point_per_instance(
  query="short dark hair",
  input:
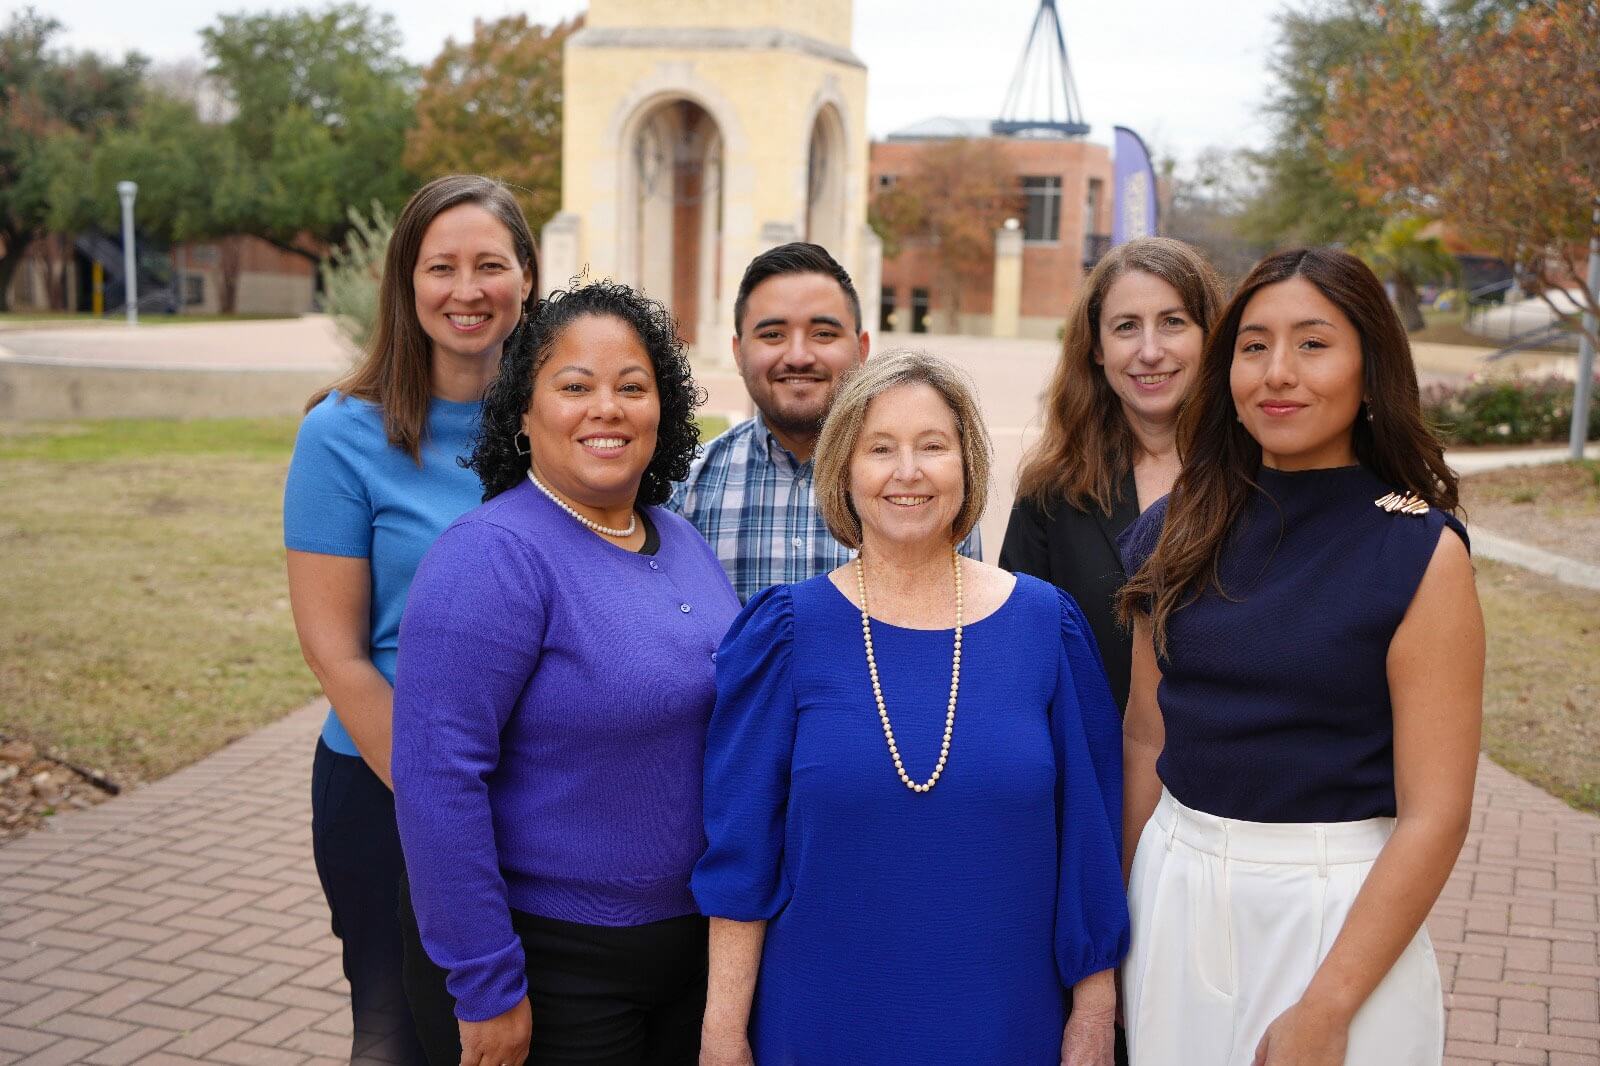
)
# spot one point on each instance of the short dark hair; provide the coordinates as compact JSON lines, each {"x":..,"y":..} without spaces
{"x":797,"y":257}
{"x":495,"y":457}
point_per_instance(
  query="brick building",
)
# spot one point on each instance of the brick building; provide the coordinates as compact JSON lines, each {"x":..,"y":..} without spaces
{"x":1065,"y":223}
{"x":57,"y":273}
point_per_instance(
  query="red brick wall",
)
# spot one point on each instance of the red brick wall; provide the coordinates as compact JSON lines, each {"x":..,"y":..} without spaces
{"x":1050,"y":272}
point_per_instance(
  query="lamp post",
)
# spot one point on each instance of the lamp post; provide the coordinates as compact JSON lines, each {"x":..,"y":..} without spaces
{"x":127,"y":190}
{"x":1581,"y":389}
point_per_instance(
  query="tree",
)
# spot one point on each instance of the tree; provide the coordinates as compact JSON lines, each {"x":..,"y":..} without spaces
{"x":1406,"y":256}
{"x":323,"y":100}
{"x":492,"y":106}
{"x":1208,"y":205}
{"x":1493,"y":125}
{"x":960,"y":193}
{"x":215,"y":196}
{"x":1302,"y":198}
{"x":52,"y":102}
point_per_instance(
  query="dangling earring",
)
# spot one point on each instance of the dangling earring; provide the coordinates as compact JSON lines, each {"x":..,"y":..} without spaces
{"x":1368,"y":405}
{"x":517,"y":440}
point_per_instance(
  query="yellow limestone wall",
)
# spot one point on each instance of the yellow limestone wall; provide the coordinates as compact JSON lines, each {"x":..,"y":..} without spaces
{"x":826,"y":20}
{"x":763,"y":70}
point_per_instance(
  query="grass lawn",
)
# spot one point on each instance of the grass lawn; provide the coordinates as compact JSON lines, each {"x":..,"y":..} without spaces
{"x":141,"y":564}
{"x":1542,"y":692}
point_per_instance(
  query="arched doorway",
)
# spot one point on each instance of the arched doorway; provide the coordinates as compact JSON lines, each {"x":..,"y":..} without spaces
{"x":825,"y":188}
{"x":672,"y":221}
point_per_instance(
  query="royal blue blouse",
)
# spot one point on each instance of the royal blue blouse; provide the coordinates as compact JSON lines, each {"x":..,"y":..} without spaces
{"x":937,"y":927}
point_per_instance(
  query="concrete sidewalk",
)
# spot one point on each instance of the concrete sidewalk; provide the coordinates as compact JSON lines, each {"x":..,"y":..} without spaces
{"x":183,"y":923}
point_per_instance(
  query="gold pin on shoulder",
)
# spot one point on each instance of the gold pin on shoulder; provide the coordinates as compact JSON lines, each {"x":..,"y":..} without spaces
{"x":1402,"y":503}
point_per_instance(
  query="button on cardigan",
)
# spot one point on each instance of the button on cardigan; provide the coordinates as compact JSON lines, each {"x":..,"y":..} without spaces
{"x":550,"y":714}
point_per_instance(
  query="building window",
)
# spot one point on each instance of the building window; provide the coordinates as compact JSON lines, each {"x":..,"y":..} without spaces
{"x":1043,"y":199}
{"x":886,"y":181}
{"x":1091,"y":215}
{"x":886,"y":322}
{"x":919,"y":310}
{"x":194,"y":290}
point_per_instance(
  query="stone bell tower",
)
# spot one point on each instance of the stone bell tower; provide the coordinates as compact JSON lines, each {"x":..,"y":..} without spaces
{"x":696,"y":134}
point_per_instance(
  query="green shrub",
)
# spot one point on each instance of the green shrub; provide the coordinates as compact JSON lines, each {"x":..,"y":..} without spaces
{"x":1516,"y":410}
{"x":351,"y":273}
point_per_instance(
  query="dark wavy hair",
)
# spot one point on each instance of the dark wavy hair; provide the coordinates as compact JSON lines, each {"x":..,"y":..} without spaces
{"x":494,"y":455}
{"x":1221,"y":459}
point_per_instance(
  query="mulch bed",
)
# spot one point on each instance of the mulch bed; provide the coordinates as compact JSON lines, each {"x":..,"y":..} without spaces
{"x":33,"y":786}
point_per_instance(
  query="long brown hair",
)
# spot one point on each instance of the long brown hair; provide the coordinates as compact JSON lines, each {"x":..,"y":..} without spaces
{"x":1221,"y":459}
{"x":396,"y":373}
{"x":1088,"y":446}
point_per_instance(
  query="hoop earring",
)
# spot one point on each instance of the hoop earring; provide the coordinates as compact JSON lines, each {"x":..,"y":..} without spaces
{"x":517,"y":439}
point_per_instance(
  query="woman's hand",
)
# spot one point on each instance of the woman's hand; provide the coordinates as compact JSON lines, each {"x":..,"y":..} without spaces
{"x":725,"y":1049}
{"x":500,"y":1041}
{"x":1089,"y":1039}
{"x":1304,"y":1036}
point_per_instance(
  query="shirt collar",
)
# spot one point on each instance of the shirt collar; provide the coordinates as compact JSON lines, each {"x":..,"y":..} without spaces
{"x":776,"y":453}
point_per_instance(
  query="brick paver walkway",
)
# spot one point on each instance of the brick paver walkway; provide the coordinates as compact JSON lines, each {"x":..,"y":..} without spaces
{"x":183,"y":923}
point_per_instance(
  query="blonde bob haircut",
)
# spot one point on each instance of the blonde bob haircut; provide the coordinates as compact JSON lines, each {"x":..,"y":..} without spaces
{"x":842,"y":432}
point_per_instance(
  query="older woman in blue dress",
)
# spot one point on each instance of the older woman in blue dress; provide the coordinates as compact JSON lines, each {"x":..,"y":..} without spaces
{"x":912,"y":777}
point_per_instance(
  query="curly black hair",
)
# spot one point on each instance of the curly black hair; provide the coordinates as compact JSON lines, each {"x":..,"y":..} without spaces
{"x":494,"y":454}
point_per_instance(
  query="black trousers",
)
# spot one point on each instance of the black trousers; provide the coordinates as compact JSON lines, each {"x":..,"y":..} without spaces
{"x":357,"y":851}
{"x":601,"y":996}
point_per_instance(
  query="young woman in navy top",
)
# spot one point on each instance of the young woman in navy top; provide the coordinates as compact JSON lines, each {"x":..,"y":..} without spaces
{"x":1302,"y":729}
{"x":373,"y":480}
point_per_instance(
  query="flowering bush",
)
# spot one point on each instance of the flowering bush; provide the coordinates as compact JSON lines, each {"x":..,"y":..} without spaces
{"x":1515,"y":410}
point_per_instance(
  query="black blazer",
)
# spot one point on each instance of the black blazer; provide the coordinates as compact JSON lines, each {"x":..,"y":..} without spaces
{"x":1076,"y":551}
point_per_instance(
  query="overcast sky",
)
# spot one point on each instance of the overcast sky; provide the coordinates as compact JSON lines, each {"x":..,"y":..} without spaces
{"x":1180,"y":72}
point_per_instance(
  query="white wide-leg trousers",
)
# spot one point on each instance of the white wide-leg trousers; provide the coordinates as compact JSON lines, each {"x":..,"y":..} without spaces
{"x":1230,"y":921}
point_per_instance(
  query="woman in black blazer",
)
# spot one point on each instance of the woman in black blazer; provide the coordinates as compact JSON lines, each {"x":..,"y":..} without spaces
{"x":1109,"y":448}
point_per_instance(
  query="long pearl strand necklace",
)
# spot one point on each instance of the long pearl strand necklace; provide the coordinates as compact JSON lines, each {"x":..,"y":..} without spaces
{"x":633,"y":519}
{"x":877,"y":689}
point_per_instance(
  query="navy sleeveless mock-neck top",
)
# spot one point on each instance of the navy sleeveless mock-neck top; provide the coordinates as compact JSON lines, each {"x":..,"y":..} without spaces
{"x":1275,"y":697}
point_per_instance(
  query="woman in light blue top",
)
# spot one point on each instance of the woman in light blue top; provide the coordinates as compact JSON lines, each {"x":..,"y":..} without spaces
{"x":373,"y":481}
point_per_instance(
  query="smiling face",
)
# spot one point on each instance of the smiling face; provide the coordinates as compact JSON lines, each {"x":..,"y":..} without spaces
{"x":594,"y":414}
{"x":469,"y":286}
{"x":1149,"y":347}
{"x":907,"y":482}
{"x":797,"y":338}
{"x":1297,"y":377}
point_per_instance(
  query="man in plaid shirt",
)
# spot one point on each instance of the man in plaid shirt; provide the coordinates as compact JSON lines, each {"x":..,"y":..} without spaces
{"x":797,"y":331}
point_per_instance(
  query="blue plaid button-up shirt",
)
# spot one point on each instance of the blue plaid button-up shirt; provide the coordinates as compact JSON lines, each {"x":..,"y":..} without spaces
{"x":756,"y":505}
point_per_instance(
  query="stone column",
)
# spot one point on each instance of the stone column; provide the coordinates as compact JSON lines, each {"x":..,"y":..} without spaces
{"x":869,"y":279}
{"x":559,"y":242}
{"x":1007,"y":313}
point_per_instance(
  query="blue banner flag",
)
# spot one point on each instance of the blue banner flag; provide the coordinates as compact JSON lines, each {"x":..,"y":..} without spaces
{"x":1134,"y":213}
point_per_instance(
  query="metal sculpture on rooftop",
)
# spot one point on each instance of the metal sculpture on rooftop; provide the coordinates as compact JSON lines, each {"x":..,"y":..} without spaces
{"x":1043,"y":100}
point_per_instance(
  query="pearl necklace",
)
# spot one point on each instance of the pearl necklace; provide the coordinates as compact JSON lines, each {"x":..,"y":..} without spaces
{"x":877,"y":689}
{"x":633,"y":519}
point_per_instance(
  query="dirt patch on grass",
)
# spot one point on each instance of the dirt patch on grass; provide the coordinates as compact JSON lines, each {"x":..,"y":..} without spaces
{"x":1542,"y":691}
{"x":1554,"y":506}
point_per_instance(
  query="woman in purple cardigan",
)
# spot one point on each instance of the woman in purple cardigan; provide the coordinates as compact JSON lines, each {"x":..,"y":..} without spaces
{"x":555,"y":681}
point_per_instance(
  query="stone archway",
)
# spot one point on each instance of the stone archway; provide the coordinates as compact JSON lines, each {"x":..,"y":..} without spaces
{"x":672,"y":220}
{"x":825,"y":180}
